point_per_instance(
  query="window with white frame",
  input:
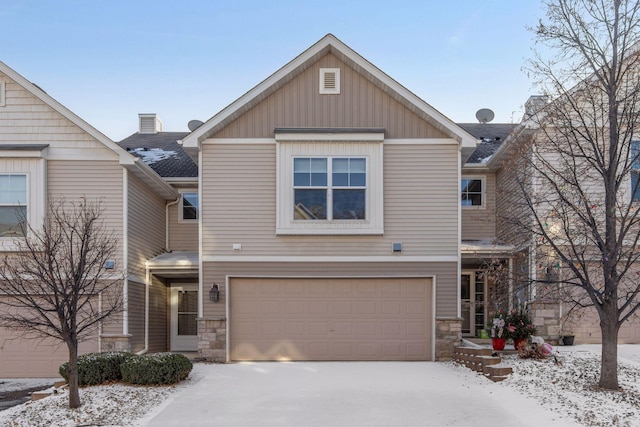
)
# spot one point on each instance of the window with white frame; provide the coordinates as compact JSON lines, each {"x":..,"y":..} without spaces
{"x":13,"y":205}
{"x":472,"y":192}
{"x":329,"y":188}
{"x":330,"y":183}
{"x":189,"y":207}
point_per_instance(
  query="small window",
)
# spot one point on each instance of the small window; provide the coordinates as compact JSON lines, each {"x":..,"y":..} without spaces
{"x":329,"y":188}
{"x":13,"y":205}
{"x":329,"y":81}
{"x":189,"y":207}
{"x":634,"y":152}
{"x":471,"y":192}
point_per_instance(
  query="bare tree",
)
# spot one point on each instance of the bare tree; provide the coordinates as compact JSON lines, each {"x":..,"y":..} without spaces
{"x":577,"y":158}
{"x":56,"y":285}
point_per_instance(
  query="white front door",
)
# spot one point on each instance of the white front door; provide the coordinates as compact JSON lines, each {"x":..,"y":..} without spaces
{"x":184,"y":312}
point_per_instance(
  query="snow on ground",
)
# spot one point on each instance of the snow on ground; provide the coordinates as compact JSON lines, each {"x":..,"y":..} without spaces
{"x":569,"y":388}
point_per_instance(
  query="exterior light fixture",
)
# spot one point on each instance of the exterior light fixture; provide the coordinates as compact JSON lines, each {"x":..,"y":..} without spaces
{"x":214,"y":293}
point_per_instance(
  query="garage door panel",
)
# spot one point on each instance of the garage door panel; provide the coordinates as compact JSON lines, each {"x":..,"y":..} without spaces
{"x":331,"y":319}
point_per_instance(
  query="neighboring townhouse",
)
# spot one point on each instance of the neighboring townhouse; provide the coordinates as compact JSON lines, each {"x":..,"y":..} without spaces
{"x":47,"y":152}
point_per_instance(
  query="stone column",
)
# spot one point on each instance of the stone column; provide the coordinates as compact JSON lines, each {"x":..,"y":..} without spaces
{"x":448,"y":335}
{"x":212,"y":339}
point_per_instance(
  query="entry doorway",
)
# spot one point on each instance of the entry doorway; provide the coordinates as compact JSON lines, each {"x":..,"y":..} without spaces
{"x":184,"y":314}
{"x":473,"y":302}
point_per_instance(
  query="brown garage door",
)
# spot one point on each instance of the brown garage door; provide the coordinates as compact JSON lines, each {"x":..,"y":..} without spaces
{"x":330,"y":319}
{"x":34,"y":358}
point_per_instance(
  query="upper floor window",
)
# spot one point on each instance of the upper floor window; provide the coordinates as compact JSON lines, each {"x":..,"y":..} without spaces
{"x":634,"y":152}
{"x":328,"y":188}
{"x":471,"y":192}
{"x":13,"y":205}
{"x":189,"y":207}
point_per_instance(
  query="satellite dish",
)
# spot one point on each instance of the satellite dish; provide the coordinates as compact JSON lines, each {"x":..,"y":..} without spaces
{"x":194,"y":124}
{"x":485,"y":115}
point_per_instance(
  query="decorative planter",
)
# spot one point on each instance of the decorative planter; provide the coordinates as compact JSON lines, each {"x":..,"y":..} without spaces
{"x":498,"y":343}
{"x":567,"y":339}
{"x":519,"y":342}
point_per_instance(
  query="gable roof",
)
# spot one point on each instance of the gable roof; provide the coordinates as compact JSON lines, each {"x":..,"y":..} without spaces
{"x":329,"y":44}
{"x":132,"y":163}
{"x":491,"y":136}
{"x":162,"y":153}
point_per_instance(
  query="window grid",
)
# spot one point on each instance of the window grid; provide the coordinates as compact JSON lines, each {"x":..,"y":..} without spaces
{"x":329,"y":188}
{"x":471,"y":192}
{"x":13,"y":204}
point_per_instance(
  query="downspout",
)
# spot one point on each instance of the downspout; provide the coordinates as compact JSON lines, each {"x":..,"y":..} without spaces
{"x":166,"y":224}
{"x":125,"y":252}
{"x":146,"y":312}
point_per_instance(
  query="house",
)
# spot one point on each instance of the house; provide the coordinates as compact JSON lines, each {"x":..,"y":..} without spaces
{"x":48,"y":152}
{"x":326,"y":214}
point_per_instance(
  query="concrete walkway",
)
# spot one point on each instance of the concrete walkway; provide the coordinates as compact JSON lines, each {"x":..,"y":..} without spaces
{"x":347,"y":394}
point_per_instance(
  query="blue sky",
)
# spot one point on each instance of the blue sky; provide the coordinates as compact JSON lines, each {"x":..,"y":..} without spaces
{"x":107,"y":61}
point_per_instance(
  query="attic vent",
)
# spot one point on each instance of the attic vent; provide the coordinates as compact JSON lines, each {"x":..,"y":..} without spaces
{"x":149,"y":123}
{"x":330,"y":81}
{"x":3,"y":94}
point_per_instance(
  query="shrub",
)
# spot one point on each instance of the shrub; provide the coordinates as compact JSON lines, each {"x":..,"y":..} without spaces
{"x":97,"y":368}
{"x":158,"y":368}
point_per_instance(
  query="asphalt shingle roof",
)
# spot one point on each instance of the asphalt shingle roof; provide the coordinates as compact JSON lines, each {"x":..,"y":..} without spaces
{"x":490,"y":135}
{"x":162,"y":153}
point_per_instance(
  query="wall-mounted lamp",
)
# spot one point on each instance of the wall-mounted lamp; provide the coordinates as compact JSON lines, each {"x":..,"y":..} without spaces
{"x":214,"y":293}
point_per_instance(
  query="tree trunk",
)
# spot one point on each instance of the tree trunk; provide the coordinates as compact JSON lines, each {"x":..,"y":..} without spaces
{"x":609,"y":364}
{"x":74,"y":393}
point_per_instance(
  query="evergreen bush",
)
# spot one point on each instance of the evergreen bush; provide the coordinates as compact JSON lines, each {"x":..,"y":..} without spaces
{"x":97,"y":368}
{"x":157,"y":368}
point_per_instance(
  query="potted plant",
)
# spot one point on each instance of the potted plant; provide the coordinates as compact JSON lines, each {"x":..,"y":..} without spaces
{"x":519,"y":327}
{"x":498,"y":330}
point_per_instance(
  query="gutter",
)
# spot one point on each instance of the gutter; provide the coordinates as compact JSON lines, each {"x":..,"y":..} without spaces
{"x":146,"y":313}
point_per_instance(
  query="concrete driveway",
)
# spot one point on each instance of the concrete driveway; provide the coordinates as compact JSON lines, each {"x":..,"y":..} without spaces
{"x":347,"y":394}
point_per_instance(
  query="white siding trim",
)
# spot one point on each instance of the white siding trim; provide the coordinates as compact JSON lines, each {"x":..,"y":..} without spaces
{"x":238,"y":141}
{"x":3,"y":94}
{"x":420,"y":141}
{"x":371,"y":137}
{"x":200,"y":272}
{"x":372,"y":225}
{"x":330,"y":258}
{"x":125,"y":251}
{"x":459,"y":267}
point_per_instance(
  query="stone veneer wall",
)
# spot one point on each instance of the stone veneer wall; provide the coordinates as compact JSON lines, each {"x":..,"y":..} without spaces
{"x":212,"y":339}
{"x":115,"y":343}
{"x":546,"y":318}
{"x":448,"y":335}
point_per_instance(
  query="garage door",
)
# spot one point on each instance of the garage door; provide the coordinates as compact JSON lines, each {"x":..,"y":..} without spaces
{"x":330,"y":319}
{"x":34,"y":358}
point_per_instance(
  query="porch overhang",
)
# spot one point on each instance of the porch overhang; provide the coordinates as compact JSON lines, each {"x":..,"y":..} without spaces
{"x":175,"y":264}
{"x":485,"y":249}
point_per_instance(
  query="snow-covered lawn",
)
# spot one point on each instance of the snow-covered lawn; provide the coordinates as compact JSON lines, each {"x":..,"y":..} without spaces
{"x":568,"y":388}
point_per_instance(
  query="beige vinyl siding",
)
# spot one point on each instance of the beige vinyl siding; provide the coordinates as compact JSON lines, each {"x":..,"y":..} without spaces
{"x":158,"y":316}
{"x":94,"y":180}
{"x":239,"y":204}
{"x":183,"y":236}
{"x":446,"y":277}
{"x":359,"y":104}
{"x":146,"y":220}
{"x":480,"y":223}
{"x":26,"y":119}
{"x":136,"y":315}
